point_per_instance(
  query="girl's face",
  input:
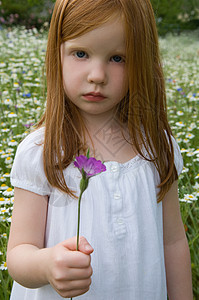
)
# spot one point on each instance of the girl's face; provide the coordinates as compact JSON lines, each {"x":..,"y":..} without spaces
{"x":93,"y":67}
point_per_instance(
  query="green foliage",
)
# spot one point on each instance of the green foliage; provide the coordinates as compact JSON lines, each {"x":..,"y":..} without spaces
{"x":171,"y":15}
{"x":25,"y":12}
{"x":34,"y":2}
{"x":175,"y":15}
{"x":22,"y":7}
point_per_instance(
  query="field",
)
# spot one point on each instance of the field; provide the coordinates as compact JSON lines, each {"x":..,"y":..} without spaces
{"x":22,"y":102}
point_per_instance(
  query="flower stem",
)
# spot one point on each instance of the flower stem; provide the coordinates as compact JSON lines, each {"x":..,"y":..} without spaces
{"x":78,"y":223}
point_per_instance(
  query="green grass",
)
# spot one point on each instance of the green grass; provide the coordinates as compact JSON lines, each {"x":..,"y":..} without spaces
{"x":21,"y":103}
{"x":181,"y":64}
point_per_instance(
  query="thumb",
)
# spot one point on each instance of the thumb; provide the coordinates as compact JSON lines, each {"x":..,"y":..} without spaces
{"x":84,"y":245}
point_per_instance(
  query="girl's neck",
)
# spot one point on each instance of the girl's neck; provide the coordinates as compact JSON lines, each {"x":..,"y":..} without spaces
{"x":94,"y":122}
{"x":108,"y":140}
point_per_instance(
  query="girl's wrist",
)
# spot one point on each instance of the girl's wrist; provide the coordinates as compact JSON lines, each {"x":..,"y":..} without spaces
{"x":44,"y":264}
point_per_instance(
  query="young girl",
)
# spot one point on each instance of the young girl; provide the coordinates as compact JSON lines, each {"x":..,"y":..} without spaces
{"x":105,"y":92}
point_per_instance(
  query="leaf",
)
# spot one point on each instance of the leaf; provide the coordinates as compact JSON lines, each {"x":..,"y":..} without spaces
{"x":87,"y":154}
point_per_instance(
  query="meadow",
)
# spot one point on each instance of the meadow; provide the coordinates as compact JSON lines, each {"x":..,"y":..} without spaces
{"x":22,"y":102}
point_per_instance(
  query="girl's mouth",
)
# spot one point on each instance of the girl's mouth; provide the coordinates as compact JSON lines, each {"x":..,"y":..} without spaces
{"x":95,"y":97}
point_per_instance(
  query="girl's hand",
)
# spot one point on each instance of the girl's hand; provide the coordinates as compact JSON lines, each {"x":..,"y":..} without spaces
{"x":69,"y":271}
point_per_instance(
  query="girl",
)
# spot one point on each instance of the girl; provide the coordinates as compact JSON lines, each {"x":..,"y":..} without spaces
{"x":105,"y":91}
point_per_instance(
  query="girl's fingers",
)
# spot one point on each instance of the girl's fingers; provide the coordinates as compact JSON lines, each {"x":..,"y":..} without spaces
{"x":76,"y":259}
{"x":79,"y":274}
{"x":72,"y":288}
{"x":73,"y":293}
{"x":84,"y":246}
{"x":80,"y":284}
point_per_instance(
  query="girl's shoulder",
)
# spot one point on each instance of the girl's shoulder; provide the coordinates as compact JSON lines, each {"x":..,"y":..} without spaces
{"x":31,"y":147}
{"x":27,"y":170}
{"x":35,"y":138}
{"x":178,"y":160}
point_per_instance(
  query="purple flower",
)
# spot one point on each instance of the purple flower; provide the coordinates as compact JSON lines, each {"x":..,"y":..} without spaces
{"x":90,"y":166}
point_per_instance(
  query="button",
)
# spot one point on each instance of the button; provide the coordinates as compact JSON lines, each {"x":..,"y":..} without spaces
{"x":114,"y":168}
{"x":120,"y":221}
{"x":117,"y":196}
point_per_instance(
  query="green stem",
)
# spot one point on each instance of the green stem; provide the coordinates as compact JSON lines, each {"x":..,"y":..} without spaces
{"x":78,"y":223}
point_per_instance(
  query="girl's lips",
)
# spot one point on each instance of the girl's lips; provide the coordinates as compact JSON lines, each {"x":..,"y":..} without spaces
{"x":94,"y":97}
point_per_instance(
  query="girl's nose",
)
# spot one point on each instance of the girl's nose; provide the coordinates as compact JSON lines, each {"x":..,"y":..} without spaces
{"x":97,"y":74}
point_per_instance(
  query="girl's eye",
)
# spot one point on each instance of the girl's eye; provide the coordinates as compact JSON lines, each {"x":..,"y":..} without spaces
{"x":117,"y":59}
{"x":80,"y":54}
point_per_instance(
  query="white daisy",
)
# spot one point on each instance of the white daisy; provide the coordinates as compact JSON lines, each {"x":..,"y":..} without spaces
{"x":9,"y":192}
{"x":3,"y":266}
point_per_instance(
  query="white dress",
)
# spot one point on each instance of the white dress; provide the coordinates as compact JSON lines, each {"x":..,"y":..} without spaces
{"x":120,"y":218}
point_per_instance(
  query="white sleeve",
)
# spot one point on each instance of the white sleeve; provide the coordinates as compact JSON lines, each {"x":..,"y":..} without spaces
{"x":178,"y":160}
{"x":27,"y":171}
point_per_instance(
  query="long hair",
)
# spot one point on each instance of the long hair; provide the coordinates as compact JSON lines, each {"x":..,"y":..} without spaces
{"x":144,"y":107}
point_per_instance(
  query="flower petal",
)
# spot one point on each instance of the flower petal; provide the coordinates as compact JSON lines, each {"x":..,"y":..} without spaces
{"x":91,"y":166}
{"x":80,"y":161}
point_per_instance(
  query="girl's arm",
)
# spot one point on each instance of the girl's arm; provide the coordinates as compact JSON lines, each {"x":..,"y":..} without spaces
{"x":32,"y":265}
{"x":176,"y":250}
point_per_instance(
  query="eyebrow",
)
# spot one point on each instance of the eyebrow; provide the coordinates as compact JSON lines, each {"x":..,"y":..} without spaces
{"x":75,"y":47}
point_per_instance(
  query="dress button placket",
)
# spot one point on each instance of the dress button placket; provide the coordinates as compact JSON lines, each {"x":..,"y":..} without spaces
{"x":119,"y":226}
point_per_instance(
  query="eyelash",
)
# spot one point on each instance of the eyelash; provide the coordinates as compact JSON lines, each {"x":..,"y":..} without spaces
{"x":82,"y":54}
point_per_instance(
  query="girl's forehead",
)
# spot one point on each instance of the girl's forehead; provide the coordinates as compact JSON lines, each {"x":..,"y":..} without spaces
{"x":111,"y":32}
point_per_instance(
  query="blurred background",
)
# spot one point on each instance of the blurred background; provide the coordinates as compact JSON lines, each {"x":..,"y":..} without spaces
{"x":171,"y":15}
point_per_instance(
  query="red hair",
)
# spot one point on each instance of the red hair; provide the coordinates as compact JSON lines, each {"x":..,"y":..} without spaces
{"x":144,"y":107}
